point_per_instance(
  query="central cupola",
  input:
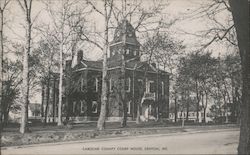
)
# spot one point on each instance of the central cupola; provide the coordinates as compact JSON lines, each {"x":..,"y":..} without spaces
{"x":124,"y":41}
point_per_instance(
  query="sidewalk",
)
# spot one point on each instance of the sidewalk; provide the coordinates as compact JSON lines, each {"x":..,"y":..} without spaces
{"x":81,"y":132}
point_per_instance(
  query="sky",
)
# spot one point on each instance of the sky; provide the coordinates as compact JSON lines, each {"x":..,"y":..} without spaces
{"x":181,"y":9}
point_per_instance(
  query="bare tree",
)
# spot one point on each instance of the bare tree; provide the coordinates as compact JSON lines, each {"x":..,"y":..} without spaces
{"x":62,"y":30}
{"x":3,"y":5}
{"x":26,"y":6}
{"x":104,"y":99}
{"x":240,"y":14}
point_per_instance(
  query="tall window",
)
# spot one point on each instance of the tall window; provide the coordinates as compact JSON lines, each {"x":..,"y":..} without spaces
{"x":128,"y":107}
{"x":82,"y":84}
{"x":74,"y":107}
{"x":96,"y":84}
{"x":150,"y":88}
{"x":140,"y":83}
{"x":127,"y":51}
{"x":127,"y":84}
{"x":135,"y":52}
{"x":162,"y":88}
{"x":94,"y":107}
{"x":83,"y":106}
{"x":111,"y":85}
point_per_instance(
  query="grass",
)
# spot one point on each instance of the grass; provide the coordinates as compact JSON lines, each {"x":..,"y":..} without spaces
{"x":52,"y":133}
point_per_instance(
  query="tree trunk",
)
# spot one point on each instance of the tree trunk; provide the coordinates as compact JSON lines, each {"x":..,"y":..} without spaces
{"x":59,"y":121}
{"x":47,"y":101}
{"x":1,"y":66}
{"x":198,"y":102}
{"x":54,"y":99}
{"x":225,"y":108}
{"x":240,"y":14}
{"x":6,"y":117}
{"x":25,"y":76}
{"x":175,"y":108}
{"x":157,"y":94}
{"x":42,"y":109}
{"x":203,"y":105}
{"x":123,"y":93}
{"x":104,"y":99}
{"x":187,"y":110}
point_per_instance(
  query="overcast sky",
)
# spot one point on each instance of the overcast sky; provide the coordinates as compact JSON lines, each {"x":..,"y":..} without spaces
{"x":177,"y":9}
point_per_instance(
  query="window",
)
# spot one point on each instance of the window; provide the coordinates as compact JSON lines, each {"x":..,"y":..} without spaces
{"x":94,"y":107}
{"x":127,"y":51}
{"x":83,"y":106}
{"x":162,"y":88}
{"x":111,"y":85}
{"x":128,"y":107}
{"x":150,"y":87}
{"x":135,"y":52}
{"x":96,"y":84}
{"x":140,"y":82}
{"x":127,"y":84}
{"x":82,"y":85}
{"x":74,"y":107}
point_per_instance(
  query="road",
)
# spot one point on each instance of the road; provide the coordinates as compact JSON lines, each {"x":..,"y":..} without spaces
{"x":212,"y":142}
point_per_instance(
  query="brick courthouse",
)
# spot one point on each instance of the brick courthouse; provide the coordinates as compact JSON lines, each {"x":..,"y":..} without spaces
{"x":144,"y":84}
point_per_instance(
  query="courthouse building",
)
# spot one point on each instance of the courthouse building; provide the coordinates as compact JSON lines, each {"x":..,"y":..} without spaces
{"x":146,"y":86}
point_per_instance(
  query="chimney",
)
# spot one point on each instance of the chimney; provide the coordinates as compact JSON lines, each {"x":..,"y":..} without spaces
{"x":79,"y":56}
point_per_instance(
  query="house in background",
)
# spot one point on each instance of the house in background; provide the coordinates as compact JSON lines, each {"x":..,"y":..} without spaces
{"x":34,"y":111}
{"x":146,"y":86}
{"x":192,"y":114}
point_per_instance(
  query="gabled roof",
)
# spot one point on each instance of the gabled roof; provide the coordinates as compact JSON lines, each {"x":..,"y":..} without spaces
{"x":88,"y":65}
{"x":132,"y":64}
{"x":93,"y":64}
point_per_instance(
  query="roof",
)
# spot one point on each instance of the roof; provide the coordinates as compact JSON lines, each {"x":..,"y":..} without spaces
{"x":89,"y":65}
{"x":125,"y":32}
{"x":93,"y":64}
